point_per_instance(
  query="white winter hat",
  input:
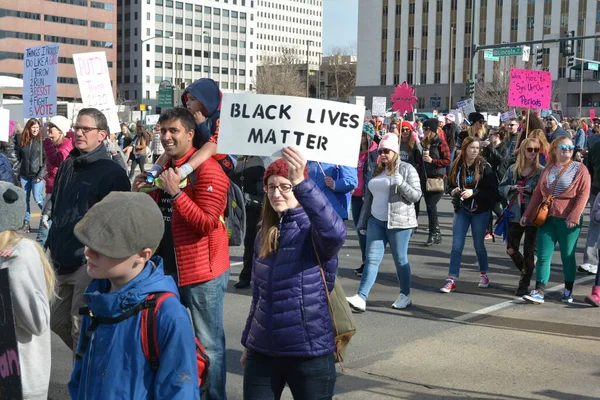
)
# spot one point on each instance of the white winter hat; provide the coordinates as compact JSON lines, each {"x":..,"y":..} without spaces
{"x":61,"y":123}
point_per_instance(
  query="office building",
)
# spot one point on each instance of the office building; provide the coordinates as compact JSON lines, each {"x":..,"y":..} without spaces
{"x":409,"y":40}
{"x":181,"y":41}
{"x":80,"y":26}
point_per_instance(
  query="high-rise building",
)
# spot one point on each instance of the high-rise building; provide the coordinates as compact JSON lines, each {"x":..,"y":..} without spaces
{"x":409,"y":40}
{"x":294,"y":26}
{"x":80,"y":26}
{"x":181,"y":41}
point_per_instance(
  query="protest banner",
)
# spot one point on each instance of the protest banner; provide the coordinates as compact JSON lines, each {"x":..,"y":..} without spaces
{"x":94,"y":85}
{"x":529,"y":88}
{"x":151,"y":119}
{"x":592,"y":114}
{"x":379,"y":106}
{"x":10,"y":368}
{"x":493,"y":120}
{"x":4,"y":124}
{"x":507,"y":116}
{"x":262,"y":125}
{"x":403,"y":99}
{"x":467,"y":107}
{"x":39,"y":81}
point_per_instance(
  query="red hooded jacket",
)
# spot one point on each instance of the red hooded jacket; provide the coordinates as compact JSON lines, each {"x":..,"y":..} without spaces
{"x":55,"y":155}
{"x":199,"y":232}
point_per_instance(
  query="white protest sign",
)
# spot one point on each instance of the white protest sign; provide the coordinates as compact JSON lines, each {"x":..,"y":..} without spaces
{"x":457,"y":116}
{"x":467,"y":106}
{"x":94,"y":85}
{"x":379,"y":104}
{"x":262,"y":125}
{"x":507,"y":116}
{"x":152,"y":119}
{"x":4,"y":124}
{"x":493,"y":120}
{"x":39,"y":81}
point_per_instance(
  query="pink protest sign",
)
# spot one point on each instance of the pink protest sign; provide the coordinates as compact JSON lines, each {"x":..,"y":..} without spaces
{"x":530,"y":88}
{"x":592,"y":114}
{"x":403,"y":99}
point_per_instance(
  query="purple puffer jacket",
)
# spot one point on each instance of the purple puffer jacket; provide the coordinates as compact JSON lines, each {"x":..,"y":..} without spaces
{"x":289,"y":314}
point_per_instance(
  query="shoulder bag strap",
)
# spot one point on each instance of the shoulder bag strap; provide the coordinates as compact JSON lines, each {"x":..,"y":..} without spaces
{"x":562,"y":171}
{"x":325,"y":284}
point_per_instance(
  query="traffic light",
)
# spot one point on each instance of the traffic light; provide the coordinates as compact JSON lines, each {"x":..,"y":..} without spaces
{"x":567,"y":48}
{"x":539,"y":57}
{"x":470,"y":88}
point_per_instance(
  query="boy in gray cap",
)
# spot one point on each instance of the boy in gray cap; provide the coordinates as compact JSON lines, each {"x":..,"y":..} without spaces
{"x":125,"y":278}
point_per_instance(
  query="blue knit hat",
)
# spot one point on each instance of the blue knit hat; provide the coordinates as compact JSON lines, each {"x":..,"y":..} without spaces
{"x":369,"y":129}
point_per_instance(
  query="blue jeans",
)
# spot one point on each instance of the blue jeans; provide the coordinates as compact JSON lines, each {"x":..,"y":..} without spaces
{"x":478,"y":223}
{"x":308,"y":378}
{"x":30,"y":185}
{"x":205,"y":302}
{"x":357,"y":203}
{"x":377,"y":236}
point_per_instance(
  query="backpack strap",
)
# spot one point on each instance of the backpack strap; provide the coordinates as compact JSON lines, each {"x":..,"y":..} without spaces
{"x":148,"y":333}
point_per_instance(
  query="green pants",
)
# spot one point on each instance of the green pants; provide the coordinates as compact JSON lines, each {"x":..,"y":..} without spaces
{"x":555,"y":231}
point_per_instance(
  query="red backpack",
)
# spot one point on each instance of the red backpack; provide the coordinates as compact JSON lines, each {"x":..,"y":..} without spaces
{"x":149,"y":308}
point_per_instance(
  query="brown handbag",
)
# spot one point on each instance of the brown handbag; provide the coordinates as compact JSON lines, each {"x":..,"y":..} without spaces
{"x":544,"y":208}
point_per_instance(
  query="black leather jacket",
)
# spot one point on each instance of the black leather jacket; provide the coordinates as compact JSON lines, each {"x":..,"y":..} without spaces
{"x":32,"y":159}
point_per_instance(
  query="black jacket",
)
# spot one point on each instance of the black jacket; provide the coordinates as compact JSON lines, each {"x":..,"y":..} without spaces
{"x":498,"y":158}
{"x":485,"y":192}
{"x":248,"y":175}
{"x":8,"y":150}
{"x":81,"y":182}
{"x":32,"y":159}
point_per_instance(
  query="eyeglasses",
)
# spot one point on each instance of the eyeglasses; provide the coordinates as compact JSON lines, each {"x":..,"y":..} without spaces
{"x":385,"y":151}
{"x":566,"y":147}
{"x":405,"y":130}
{"x":533,"y":149}
{"x":84,"y":129}
{"x":282,"y":188}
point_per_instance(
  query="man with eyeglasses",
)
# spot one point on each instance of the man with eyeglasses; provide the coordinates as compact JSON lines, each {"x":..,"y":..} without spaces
{"x":554,"y":128}
{"x":84,"y":178}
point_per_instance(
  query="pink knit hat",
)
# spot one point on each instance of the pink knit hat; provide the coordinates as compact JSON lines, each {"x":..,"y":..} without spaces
{"x":390,"y":141}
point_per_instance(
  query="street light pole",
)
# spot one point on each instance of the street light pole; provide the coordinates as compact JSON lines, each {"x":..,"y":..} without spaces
{"x":474,"y":31}
{"x":308,"y":43}
{"x":451,"y":75}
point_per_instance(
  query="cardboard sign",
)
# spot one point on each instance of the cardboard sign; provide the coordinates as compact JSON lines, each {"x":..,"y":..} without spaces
{"x":10,"y":368}
{"x":507,"y":116}
{"x":262,"y":125}
{"x":379,"y":104}
{"x":152,"y":119}
{"x":592,"y":114}
{"x":39,"y":81}
{"x":94,"y":85}
{"x":493,"y":120}
{"x":4,"y":124}
{"x":530,"y":88}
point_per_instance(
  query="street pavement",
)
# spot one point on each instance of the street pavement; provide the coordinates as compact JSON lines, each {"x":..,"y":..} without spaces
{"x":470,"y":344}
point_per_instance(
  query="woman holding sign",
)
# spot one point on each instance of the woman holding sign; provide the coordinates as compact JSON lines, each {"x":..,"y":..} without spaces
{"x":388,"y":216}
{"x":31,"y":285}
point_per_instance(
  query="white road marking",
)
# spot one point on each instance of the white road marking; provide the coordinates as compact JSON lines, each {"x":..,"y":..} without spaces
{"x":500,"y":306}
{"x":236,"y":263}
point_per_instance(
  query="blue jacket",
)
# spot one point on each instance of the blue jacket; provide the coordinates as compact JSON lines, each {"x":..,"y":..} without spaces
{"x":346,"y":180}
{"x":289,"y":315}
{"x":114,"y":365}
{"x":6,"y":171}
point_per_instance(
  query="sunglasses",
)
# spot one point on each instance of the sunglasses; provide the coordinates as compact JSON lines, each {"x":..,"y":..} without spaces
{"x":385,"y":151}
{"x":533,"y":149}
{"x":566,"y":147}
{"x":405,"y":130}
{"x":513,"y":125}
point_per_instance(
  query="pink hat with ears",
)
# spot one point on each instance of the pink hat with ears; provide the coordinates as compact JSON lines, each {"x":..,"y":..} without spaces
{"x":390,"y":142}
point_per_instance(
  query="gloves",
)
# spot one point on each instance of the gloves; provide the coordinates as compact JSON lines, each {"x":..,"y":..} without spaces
{"x":397,"y":180}
{"x":44,"y":222}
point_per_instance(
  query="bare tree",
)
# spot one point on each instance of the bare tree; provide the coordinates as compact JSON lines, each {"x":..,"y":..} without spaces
{"x":281,"y":75}
{"x":493,"y":96}
{"x":340,"y":67}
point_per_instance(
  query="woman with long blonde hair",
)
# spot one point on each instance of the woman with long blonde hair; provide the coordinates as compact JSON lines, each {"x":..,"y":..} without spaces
{"x":569,"y":184}
{"x":32,"y":286}
{"x":540,"y":135}
{"x":517,"y":187}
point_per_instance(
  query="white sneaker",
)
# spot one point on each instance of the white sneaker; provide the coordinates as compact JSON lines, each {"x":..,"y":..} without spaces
{"x":357,"y":303}
{"x":589,"y":268}
{"x":403,"y":301}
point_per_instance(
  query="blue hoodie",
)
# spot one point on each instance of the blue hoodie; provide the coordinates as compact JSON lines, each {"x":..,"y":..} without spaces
{"x":208,"y":93}
{"x":114,"y":365}
{"x":346,"y":180}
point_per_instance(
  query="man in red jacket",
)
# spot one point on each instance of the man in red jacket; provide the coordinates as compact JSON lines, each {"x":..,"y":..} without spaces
{"x":194,"y":246}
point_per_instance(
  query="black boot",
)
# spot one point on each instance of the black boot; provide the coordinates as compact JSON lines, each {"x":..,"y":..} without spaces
{"x":525,"y":279}
{"x":438,"y":237}
{"x":430,"y":239}
{"x":25,"y":228}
